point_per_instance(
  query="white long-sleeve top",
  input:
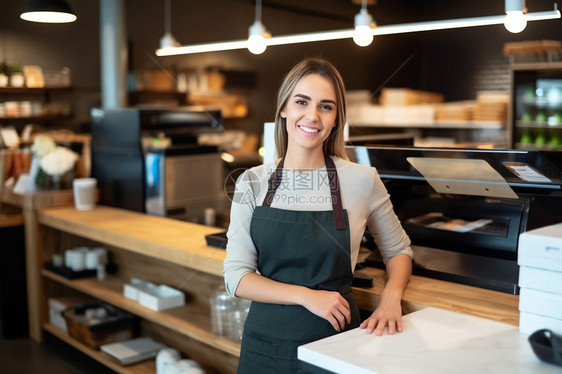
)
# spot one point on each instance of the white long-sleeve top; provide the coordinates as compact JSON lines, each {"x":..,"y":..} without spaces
{"x":363,"y":194}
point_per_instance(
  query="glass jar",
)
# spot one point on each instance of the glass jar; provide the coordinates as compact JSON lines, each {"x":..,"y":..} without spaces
{"x":222,"y":305}
{"x":241,"y":307}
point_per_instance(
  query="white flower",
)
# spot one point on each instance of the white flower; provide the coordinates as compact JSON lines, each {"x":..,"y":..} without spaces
{"x":42,"y":145}
{"x":58,"y":161}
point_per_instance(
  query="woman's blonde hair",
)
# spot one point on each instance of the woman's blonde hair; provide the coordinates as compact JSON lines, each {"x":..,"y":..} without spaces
{"x":334,"y":145}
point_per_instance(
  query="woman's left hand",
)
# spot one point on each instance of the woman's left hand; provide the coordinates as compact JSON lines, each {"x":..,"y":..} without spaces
{"x":388,"y":313}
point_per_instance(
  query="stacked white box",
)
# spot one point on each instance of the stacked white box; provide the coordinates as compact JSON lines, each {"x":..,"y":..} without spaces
{"x":540,"y":279}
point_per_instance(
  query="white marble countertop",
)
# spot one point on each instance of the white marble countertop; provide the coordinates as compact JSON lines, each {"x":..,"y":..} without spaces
{"x":433,"y":341}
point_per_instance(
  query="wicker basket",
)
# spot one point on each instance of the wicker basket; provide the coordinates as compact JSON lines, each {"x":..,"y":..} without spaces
{"x":114,"y":325}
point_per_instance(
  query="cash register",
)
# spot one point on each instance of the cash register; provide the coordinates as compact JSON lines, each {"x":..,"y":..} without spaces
{"x":464,"y":209}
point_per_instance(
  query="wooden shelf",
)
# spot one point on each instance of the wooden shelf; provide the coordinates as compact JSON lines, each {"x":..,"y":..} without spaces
{"x":38,"y":199}
{"x":146,"y":97}
{"x":32,"y":90}
{"x":538,"y":125}
{"x":469,"y":125}
{"x":190,"y":320}
{"x":35,"y":118}
{"x":178,"y":242}
{"x":145,"y":367}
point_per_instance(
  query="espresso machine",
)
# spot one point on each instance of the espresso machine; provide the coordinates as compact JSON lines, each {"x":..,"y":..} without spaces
{"x":149,"y":160}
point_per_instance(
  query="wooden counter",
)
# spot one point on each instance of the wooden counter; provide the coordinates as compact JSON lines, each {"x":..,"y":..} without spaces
{"x":184,"y":243}
{"x":173,"y":252}
{"x":179,"y":242}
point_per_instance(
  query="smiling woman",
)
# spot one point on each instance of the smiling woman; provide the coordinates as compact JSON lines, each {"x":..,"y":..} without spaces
{"x":310,"y":117}
{"x":312,"y":79}
{"x":293,"y":240}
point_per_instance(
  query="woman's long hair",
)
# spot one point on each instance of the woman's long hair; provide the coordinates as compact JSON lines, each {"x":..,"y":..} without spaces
{"x":334,"y":145}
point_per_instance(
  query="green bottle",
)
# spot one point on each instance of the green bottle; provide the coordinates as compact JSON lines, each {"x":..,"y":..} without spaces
{"x":540,"y":140}
{"x":526,"y":138}
{"x":555,"y":140}
{"x":540,"y":118}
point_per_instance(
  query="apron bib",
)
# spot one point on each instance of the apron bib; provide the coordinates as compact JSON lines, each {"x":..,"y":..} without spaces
{"x":306,"y":248}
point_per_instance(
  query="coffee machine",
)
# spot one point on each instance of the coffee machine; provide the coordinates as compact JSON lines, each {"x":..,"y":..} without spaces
{"x":148,"y":160}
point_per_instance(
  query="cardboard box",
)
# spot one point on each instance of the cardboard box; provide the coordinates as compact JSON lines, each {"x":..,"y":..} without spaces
{"x":157,"y":80}
{"x":407,"y":96}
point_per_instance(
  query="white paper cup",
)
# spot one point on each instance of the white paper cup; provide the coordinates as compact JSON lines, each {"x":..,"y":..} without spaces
{"x":84,"y":193}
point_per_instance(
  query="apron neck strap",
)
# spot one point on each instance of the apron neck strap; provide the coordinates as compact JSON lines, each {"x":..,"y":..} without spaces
{"x":275,"y":180}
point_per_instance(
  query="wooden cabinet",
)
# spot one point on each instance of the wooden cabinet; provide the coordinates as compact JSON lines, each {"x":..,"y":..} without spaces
{"x":155,"y":249}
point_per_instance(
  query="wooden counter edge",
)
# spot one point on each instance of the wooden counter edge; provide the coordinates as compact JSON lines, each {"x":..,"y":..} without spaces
{"x":422,"y":292}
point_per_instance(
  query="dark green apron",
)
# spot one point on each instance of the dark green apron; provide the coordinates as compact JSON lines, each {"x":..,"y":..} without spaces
{"x":307,"y":248}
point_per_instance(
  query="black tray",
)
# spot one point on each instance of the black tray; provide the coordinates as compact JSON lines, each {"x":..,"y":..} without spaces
{"x":217,"y":240}
{"x":69,"y":273}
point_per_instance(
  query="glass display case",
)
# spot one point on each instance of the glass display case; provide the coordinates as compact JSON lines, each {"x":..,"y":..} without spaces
{"x":536,"y":106}
{"x":464,"y":209}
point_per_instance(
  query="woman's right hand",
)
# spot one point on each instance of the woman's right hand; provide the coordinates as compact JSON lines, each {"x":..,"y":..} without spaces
{"x":330,"y":305}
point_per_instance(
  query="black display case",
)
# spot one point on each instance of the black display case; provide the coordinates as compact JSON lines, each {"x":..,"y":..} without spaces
{"x":464,"y":209}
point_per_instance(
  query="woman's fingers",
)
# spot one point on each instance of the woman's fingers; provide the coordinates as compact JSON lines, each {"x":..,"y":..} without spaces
{"x":339,"y":314}
{"x":377,"y":325}
{"x":331,"y":306}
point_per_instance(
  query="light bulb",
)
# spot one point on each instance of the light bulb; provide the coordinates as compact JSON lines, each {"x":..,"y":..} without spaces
{"x":363,"y":35}
{"x":515,"y":21}
{"x":257,"y":43}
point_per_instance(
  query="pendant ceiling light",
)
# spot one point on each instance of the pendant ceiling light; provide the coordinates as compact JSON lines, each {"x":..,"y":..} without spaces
{"x":364,"y":24}
{"x":258,"y":35}
{"x":350,"y":33}
{"x":168,"y":41}
{"x":48,"y":11}
{"x":515,"y":20}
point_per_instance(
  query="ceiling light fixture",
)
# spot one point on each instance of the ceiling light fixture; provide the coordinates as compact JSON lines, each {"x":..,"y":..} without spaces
{"x":349,"y":33}
{"x":515,"y":20}
{"x":257,"y":42}
{"x":363,"y":35}
{"x":48,"y":11}
{"x":168,"y":40}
